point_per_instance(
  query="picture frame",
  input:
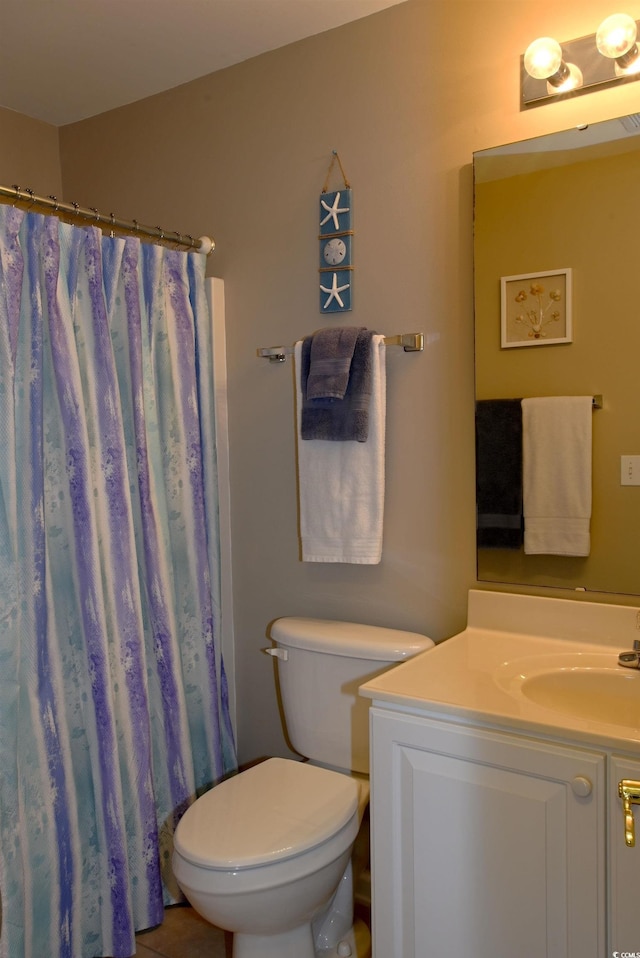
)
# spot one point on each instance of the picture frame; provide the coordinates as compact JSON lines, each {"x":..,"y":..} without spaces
{"x":535,"y":309}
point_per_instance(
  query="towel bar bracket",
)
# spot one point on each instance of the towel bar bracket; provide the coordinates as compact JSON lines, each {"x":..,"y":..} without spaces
{"x":275,"y":354}
{"x":410,"y":342}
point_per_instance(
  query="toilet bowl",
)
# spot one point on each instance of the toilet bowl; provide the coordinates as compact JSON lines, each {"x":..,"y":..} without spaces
{"x":267,"y":853}
{"x":263,"y":853}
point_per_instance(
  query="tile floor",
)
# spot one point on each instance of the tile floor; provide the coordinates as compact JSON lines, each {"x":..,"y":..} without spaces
{"x":183,"y":934}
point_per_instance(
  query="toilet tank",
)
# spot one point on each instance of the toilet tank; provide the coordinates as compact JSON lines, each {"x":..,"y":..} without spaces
{"x":321,"y":665}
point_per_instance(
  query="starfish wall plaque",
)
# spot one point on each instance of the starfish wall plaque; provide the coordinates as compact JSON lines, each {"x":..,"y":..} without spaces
{"x":336,"y":267}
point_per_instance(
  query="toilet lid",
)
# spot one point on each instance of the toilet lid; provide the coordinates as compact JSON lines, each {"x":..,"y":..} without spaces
{"x":270,"y":812}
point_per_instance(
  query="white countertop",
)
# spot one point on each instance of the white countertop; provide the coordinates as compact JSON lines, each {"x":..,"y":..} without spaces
{"x":474,"y":675}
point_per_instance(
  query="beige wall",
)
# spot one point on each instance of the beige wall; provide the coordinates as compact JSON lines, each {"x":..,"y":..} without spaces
{"x":242,"y":154}
{"x":29,"y":154}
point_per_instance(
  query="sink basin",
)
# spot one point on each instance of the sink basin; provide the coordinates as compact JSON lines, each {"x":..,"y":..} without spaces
{"x":587,"y":686}
{"x":602,"y":695}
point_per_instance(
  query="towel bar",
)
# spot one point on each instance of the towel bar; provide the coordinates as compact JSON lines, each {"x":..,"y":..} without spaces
{"x":410,"y":342}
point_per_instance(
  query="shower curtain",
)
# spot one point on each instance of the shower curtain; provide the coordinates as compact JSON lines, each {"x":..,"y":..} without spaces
{"x":113,"y":699}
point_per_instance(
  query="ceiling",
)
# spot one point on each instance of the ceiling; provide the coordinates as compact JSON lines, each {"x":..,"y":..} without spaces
{"x":65,"y":60}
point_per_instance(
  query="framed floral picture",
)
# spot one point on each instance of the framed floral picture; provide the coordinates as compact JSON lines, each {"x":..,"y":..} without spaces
{"x":536,"y":309}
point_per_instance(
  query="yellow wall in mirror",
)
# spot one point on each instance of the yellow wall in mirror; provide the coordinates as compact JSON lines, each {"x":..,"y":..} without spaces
{"x":582,"y":215}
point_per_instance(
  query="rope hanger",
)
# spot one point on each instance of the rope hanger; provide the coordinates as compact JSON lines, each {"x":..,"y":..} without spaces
{"x":335,"y":157}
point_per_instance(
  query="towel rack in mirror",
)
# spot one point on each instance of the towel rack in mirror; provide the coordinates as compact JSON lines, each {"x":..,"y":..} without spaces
{"x":410,"y":342}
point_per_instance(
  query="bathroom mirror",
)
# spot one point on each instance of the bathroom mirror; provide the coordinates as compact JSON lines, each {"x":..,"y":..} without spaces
{"x":568,"y":202}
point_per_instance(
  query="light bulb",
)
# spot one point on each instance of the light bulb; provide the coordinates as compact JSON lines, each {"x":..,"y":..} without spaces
{"x":573,"y":81}
{"x":616,"y":35}
{"x":543,"y":58}
{"x":632,"y":67}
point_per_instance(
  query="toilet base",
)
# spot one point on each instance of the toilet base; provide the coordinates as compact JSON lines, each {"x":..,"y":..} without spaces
{"x":298,"y":943}
{"x":355,"y":944}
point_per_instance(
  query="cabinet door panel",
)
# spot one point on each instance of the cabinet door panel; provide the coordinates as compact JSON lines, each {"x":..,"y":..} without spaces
{"x":481,"y":846}
{"x":624,"y":864}
{"x":496,"y":834}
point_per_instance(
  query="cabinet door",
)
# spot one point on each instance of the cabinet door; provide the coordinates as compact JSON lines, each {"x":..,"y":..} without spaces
{"x":624,"y":864}
{"x":483,"y":845}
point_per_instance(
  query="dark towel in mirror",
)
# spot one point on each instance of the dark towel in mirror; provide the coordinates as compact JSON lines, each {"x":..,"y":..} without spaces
{"x":499,"y":473}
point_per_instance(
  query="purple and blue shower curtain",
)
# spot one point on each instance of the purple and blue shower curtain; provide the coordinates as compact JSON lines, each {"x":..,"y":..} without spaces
{"x":113,"y":700}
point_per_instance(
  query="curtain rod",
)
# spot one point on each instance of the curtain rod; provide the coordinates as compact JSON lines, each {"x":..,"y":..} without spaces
{"x":15,"y":193}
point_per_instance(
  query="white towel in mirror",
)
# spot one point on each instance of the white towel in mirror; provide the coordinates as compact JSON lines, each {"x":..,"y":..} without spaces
{"x":556,"y":474}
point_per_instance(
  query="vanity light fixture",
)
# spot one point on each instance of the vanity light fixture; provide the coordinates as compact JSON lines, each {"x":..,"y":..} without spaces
{"x":550,"y":70}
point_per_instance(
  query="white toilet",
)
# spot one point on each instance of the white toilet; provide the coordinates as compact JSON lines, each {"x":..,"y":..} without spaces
{"x":267,"y":853}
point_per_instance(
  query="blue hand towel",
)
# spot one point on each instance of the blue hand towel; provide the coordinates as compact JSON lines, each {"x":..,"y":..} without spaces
{"x":339,"y":420}
{"x":331,"y":355}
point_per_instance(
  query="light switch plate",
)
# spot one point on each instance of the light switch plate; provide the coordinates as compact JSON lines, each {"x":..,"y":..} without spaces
{"x":630,"y":470}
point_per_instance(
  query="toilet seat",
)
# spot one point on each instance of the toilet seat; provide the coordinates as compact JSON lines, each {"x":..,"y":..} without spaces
{"x":269,"y":813}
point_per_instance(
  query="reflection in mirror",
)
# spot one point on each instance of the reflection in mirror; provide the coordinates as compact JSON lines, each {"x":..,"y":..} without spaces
{"x":568,"y":202}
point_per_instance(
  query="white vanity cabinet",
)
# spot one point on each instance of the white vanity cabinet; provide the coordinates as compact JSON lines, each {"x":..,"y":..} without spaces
{"x":491,"y":844}
{"x":497,"y":827}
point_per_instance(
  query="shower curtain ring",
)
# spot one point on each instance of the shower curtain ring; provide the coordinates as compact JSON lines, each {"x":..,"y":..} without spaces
{"x":31,"y":197}
{"x":17,"y":188}
{"x":95,"y":212}
{"x":55,"y":202}
{"x":113,"y":223}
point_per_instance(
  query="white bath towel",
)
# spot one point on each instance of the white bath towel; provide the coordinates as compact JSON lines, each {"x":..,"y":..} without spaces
{"x":556,"y":475}
{"x":341,"y":484}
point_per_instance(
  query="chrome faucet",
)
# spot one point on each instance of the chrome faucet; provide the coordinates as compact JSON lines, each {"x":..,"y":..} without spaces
{"x":631,"y":660}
